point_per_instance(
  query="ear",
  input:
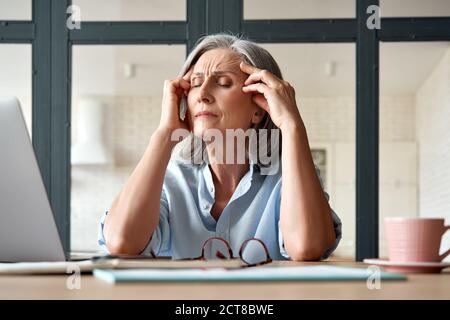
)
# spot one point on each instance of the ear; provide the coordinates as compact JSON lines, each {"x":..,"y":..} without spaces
{"x":258,"y":115}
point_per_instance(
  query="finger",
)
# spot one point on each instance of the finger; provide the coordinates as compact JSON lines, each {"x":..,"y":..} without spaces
{"x":263,"y":76}
{"x":184,"y":84}
{"x":260,"y":97}
{"x":259,"y":87}
{"x":179,"y":84}
{"x":188,"y":74}
{"x":179,"y":87}
{"x":259,"y":74}
{"x":261,"y":101}
{"x":253,"y":78}
{"x":248,"y":68}
{"x":187,"y":78}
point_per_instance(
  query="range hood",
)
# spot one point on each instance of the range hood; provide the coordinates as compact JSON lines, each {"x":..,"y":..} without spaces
{"x":90,"y":147}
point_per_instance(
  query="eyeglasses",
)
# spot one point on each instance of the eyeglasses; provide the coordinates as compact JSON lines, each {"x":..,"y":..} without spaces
{"x":253,"y":252}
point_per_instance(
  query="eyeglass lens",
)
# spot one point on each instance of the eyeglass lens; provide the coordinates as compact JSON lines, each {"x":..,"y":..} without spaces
{"x":216,"y":249}
{"x":253,"y":252}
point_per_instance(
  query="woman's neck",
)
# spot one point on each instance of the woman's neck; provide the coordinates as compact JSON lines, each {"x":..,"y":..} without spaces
{"x":226,"y":177}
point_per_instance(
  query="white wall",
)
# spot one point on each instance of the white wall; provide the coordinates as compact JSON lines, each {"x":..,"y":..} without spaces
{"x":128,"y":124}
{"x":330,"y":121}
{"x":433,"y":136}
{"x":15,"y":75}
{"x":413,"y":165}
{"x":414,"y":177}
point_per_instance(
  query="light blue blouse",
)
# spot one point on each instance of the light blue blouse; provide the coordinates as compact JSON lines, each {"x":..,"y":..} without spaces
{"x":185,"y":220}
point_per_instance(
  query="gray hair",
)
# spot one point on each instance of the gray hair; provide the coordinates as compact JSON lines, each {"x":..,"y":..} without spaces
{"x":192,"y":147}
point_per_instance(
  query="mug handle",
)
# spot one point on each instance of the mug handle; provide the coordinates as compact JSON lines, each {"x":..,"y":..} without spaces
{"x":446,"y":253}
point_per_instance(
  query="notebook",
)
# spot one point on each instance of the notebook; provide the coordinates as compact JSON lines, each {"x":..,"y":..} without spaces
{"x":302,"y":273}
{"x":86,"y":266}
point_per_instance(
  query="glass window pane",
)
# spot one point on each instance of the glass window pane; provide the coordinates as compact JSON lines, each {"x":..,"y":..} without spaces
{"x":414,"y":8}
{"x":131,"y":10}
{"x":414,"y":140}
{"x":15,"y":9}
{"x":298,"y":9}
{"x":15,"y":76}
{"x":116,"y":104}
{"x":323,"y":76}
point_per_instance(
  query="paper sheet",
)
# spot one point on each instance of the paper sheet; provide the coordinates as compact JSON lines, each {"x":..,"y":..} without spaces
{"x":302,"y":273}
{"x":64,"y":267}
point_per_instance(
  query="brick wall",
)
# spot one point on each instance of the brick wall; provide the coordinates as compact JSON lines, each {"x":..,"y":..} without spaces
{"x":433,"y":136}
{"x":131,"y":120}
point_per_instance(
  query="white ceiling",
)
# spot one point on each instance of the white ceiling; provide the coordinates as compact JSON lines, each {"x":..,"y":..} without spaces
{"x":403,"y":67}
{"x":99,"y":69}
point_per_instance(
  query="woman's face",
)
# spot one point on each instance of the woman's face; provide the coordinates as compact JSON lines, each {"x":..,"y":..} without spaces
{"x":216,"y":88}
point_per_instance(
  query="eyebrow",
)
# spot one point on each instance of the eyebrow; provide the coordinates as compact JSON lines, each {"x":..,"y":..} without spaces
{"x":214,"y":72}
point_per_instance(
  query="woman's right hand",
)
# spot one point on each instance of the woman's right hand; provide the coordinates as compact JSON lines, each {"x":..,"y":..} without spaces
{"x":174,"y":90}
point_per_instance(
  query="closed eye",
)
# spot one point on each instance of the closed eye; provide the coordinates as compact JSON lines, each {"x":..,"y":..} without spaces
{"x":220,"y":80}
{"x":220,"y":84}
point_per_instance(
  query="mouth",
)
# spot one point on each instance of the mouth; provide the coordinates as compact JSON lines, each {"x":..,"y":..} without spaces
{"x":205,"y":114}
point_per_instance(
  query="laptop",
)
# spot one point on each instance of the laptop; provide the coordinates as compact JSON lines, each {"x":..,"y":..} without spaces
{"x":28,"y":230}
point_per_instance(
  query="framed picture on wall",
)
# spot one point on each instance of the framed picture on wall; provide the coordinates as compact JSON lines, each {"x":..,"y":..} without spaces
{"x":322,"y":157}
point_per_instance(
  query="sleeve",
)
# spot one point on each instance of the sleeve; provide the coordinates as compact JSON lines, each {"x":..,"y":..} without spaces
{"x":160,"y":240}
{"x":101,"y":238}
{"x":336,"y":222}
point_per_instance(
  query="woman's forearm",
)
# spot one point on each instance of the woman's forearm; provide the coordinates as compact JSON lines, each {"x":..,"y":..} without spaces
{"x":134,"y":214}
{"x":305,"y":215}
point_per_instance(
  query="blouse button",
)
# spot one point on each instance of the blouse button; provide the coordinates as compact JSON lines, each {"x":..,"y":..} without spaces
{"x":206,"y":206}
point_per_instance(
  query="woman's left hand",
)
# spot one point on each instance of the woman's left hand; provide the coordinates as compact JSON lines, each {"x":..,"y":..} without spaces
{"x":274,"y":95}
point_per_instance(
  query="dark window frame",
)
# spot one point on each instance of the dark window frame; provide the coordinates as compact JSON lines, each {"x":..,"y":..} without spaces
{"x":51,"y":48}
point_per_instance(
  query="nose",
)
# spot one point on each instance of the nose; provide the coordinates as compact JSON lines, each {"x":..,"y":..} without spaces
{"x":204,"y":94}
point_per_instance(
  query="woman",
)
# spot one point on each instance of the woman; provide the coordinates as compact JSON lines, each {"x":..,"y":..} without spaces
{"x":171,"y":208}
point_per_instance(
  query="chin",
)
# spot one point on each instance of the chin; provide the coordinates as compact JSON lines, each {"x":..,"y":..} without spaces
{"x":200,"y":130}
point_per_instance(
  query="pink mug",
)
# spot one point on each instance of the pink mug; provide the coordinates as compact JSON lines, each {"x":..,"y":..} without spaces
{"x":415,"y":239}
